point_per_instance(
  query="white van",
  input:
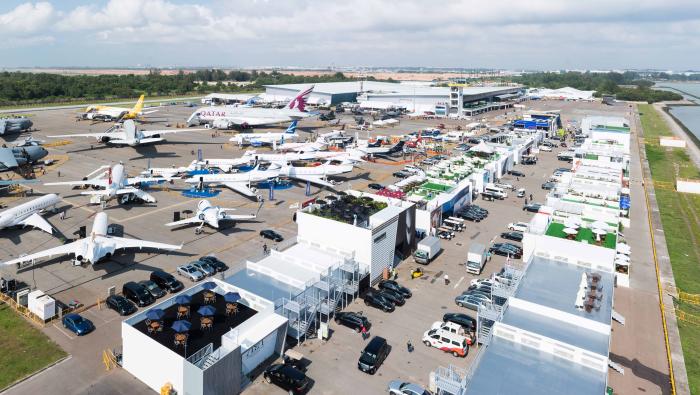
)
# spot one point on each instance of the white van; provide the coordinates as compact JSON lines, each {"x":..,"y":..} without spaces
{"x":495,"y":191}
{"x":446,"y":341}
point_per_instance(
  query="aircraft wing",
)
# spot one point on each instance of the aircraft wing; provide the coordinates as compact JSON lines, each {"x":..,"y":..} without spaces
{"x":240,"y":187}
{"x":191,"y":220}
{"x":122,"y":242}
{"x":70,"y":248}
{"x":7,"y":158}
{"x":318,"y":180}
{"x":255,"y":121}
{"x":237,"y":217}
{"x":149,"y":133}
{"x":96,"y":135}
{"x":101,"y":182}
{"x":38,"y":221}
{"x":136,"y":180}
{"x":139,"y":194}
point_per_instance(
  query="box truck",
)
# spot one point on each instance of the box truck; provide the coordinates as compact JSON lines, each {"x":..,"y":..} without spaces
{"x":476,"y":258}
{"x":427,"y":249}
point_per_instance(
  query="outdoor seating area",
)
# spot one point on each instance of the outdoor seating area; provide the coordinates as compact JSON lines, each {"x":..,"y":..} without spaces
{"x":592,"y":236}
{"x":194,"y":321}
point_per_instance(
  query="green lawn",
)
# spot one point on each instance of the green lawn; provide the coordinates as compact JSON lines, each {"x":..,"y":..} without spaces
{"x":23,"y":348}
{"x":680,"y":215}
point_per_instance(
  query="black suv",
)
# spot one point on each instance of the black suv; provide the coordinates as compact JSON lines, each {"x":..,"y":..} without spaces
{"x":120,"y":304}
{"x":166,"y":281}
{"x":395,"y":287}
{"x":515,"y":236}
{"x":352,"y":320}
{"x":532,"y":207}
{"x":464,"y":320}
{"x":137,"y":293}
{"x":375,"y":299}
{"x":373,"y":355}
{"x":215,"y":262}
{"x":287,"y":378}
{"x":271,"y":234}
{"x":516,"y":173}
{"x":394,"y":297}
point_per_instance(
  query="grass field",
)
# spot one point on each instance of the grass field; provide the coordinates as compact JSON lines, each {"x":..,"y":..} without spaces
{"x":680,"y":215}
{"x":23,"y":348}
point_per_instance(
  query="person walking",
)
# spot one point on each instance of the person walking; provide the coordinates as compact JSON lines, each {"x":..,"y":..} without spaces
{"x":63,"y":215}
{"x":364,"y":332}
{"x":409,"y":346}
{"x":265,"y":249}
{"x":531,"y":197}
{"x":447,"y":279}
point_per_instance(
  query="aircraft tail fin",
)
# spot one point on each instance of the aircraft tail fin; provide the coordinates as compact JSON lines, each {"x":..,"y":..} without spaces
{"x":129,"y":130}
{"x":299,"y":102}
{"x":138,"y":107}
{"x":292,"y":128}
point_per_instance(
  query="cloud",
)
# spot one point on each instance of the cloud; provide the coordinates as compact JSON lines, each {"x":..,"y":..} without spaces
{"x":317,"y":32}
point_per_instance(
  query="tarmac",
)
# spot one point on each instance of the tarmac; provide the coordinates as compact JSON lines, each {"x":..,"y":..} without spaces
{"x":638,"y":346}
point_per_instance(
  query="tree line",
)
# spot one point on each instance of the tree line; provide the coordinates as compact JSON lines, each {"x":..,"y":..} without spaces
{"x":18,"y":88}
{"x":629,"y":85}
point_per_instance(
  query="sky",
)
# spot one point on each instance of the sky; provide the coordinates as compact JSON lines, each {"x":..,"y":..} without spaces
{"x":505,"y":34}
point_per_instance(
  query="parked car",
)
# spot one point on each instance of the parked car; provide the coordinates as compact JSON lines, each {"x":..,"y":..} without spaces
{"x":532,"y":207}
{"x":516,"y":173}
{"x":519,"y":226}
{"x":515,"y":236}
{"x":153,"y":288}
{"x":190,"y":272}
{"x":548,"y":185}
{"x":545,"y":148}
{"x":400,"y":174}
{"x":375,"y":186}
{"x":215,"y":262}
{"x":563,"y":169}
{"x":470,"y":301}
{"x":444,"y":340}
{"x":394,"y":286}
{"x":375,"y":299}
{"x":271,"y":234}
{"x":467,"y":322}
{"x":204,"y":267}
{"x":445,"y":235}
{"x":287,"y":378}
{"x":120,"y":304}
{"x":504,"y":251}
{"x":166,"y":281}
{"x":77,"y":324}
{"x":400,"y":387}
{"x":137,"y":293}
{"x":521,"y":192}
{"x":394,"y":297}
{"x":373,"y":355}
{"x":352,"y":320}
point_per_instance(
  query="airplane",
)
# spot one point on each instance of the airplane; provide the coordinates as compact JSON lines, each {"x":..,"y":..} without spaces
{"x":29,"y":141}
{"x":239,"y":182}
{"x":380,"y":151}
{"x":27,"y":214}
{"x":15,"y":125}
{"x":341,"y":156}
{"x":11,"y":158}
{"x":107,"y":113}
{"x":95,"y":247}
{"x":227,"y":117}
{"x":260,"y":139}
{"x":116,"y":184}
{"x":314,"y":174}
{"x":211,"y":215}
{"x":127,"y":134}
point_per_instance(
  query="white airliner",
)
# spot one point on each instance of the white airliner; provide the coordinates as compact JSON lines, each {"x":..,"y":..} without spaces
{"x":116,"y":183}
{"x":343,"y":157}
{"x":260,"y":139}
{"x":27,"y":214}
{"x":239,"y":182}
{"x":226,"y":117}
{"x":96,"y":246}
{"x":127,"y":134}
{"x":211,"y":215}
{"x":100,"y":112}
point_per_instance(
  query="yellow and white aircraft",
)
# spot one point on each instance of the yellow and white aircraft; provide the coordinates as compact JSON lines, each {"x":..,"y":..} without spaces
{"x":99,"y":112}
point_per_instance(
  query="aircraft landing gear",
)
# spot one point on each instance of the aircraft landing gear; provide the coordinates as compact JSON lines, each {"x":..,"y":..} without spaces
{"x":198,"y":230}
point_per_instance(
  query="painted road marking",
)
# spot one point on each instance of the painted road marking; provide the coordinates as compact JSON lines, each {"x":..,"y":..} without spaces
{"x":64,"y":332}
{"x":459,"y":282}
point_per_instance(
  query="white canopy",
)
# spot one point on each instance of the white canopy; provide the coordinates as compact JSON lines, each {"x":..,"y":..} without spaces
{"x":624,"y":248}
{"x":482,"y":147}
{"x":570,"y":231}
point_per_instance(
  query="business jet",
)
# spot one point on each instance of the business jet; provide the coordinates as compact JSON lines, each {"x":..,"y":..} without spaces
{"x":104,"y":113}
{"x":314,"y":174}
{"x":97,"y":246}
{"x":379,"y":151}
{"x":227,"y":117}
{"x":211,"y":215}
{"x":128,"y":134}
{"x":28,"y":214}
{"x":116,"y":184}
{"x":238,"y":182}
{"x":260,"y":139}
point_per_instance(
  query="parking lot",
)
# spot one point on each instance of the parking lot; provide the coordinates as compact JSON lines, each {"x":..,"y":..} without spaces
{"x":431,"y":297}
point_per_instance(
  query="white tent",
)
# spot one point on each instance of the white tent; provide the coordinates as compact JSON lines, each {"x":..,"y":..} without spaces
{"x":482,"y":147}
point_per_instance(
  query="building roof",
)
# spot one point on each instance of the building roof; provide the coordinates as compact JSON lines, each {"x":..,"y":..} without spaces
{"x":378,"y":89}
{"x":510,"y":368}
{"x":262,"y":285}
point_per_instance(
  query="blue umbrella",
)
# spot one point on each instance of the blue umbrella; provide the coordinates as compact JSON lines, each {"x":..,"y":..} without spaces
{"x":206,"y":310}
{"x":209,"y":285}
{"x":183,"y":299}
{"x":181,"y":326}
{"x":232,"y":297}
{"x":155,"y":314}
